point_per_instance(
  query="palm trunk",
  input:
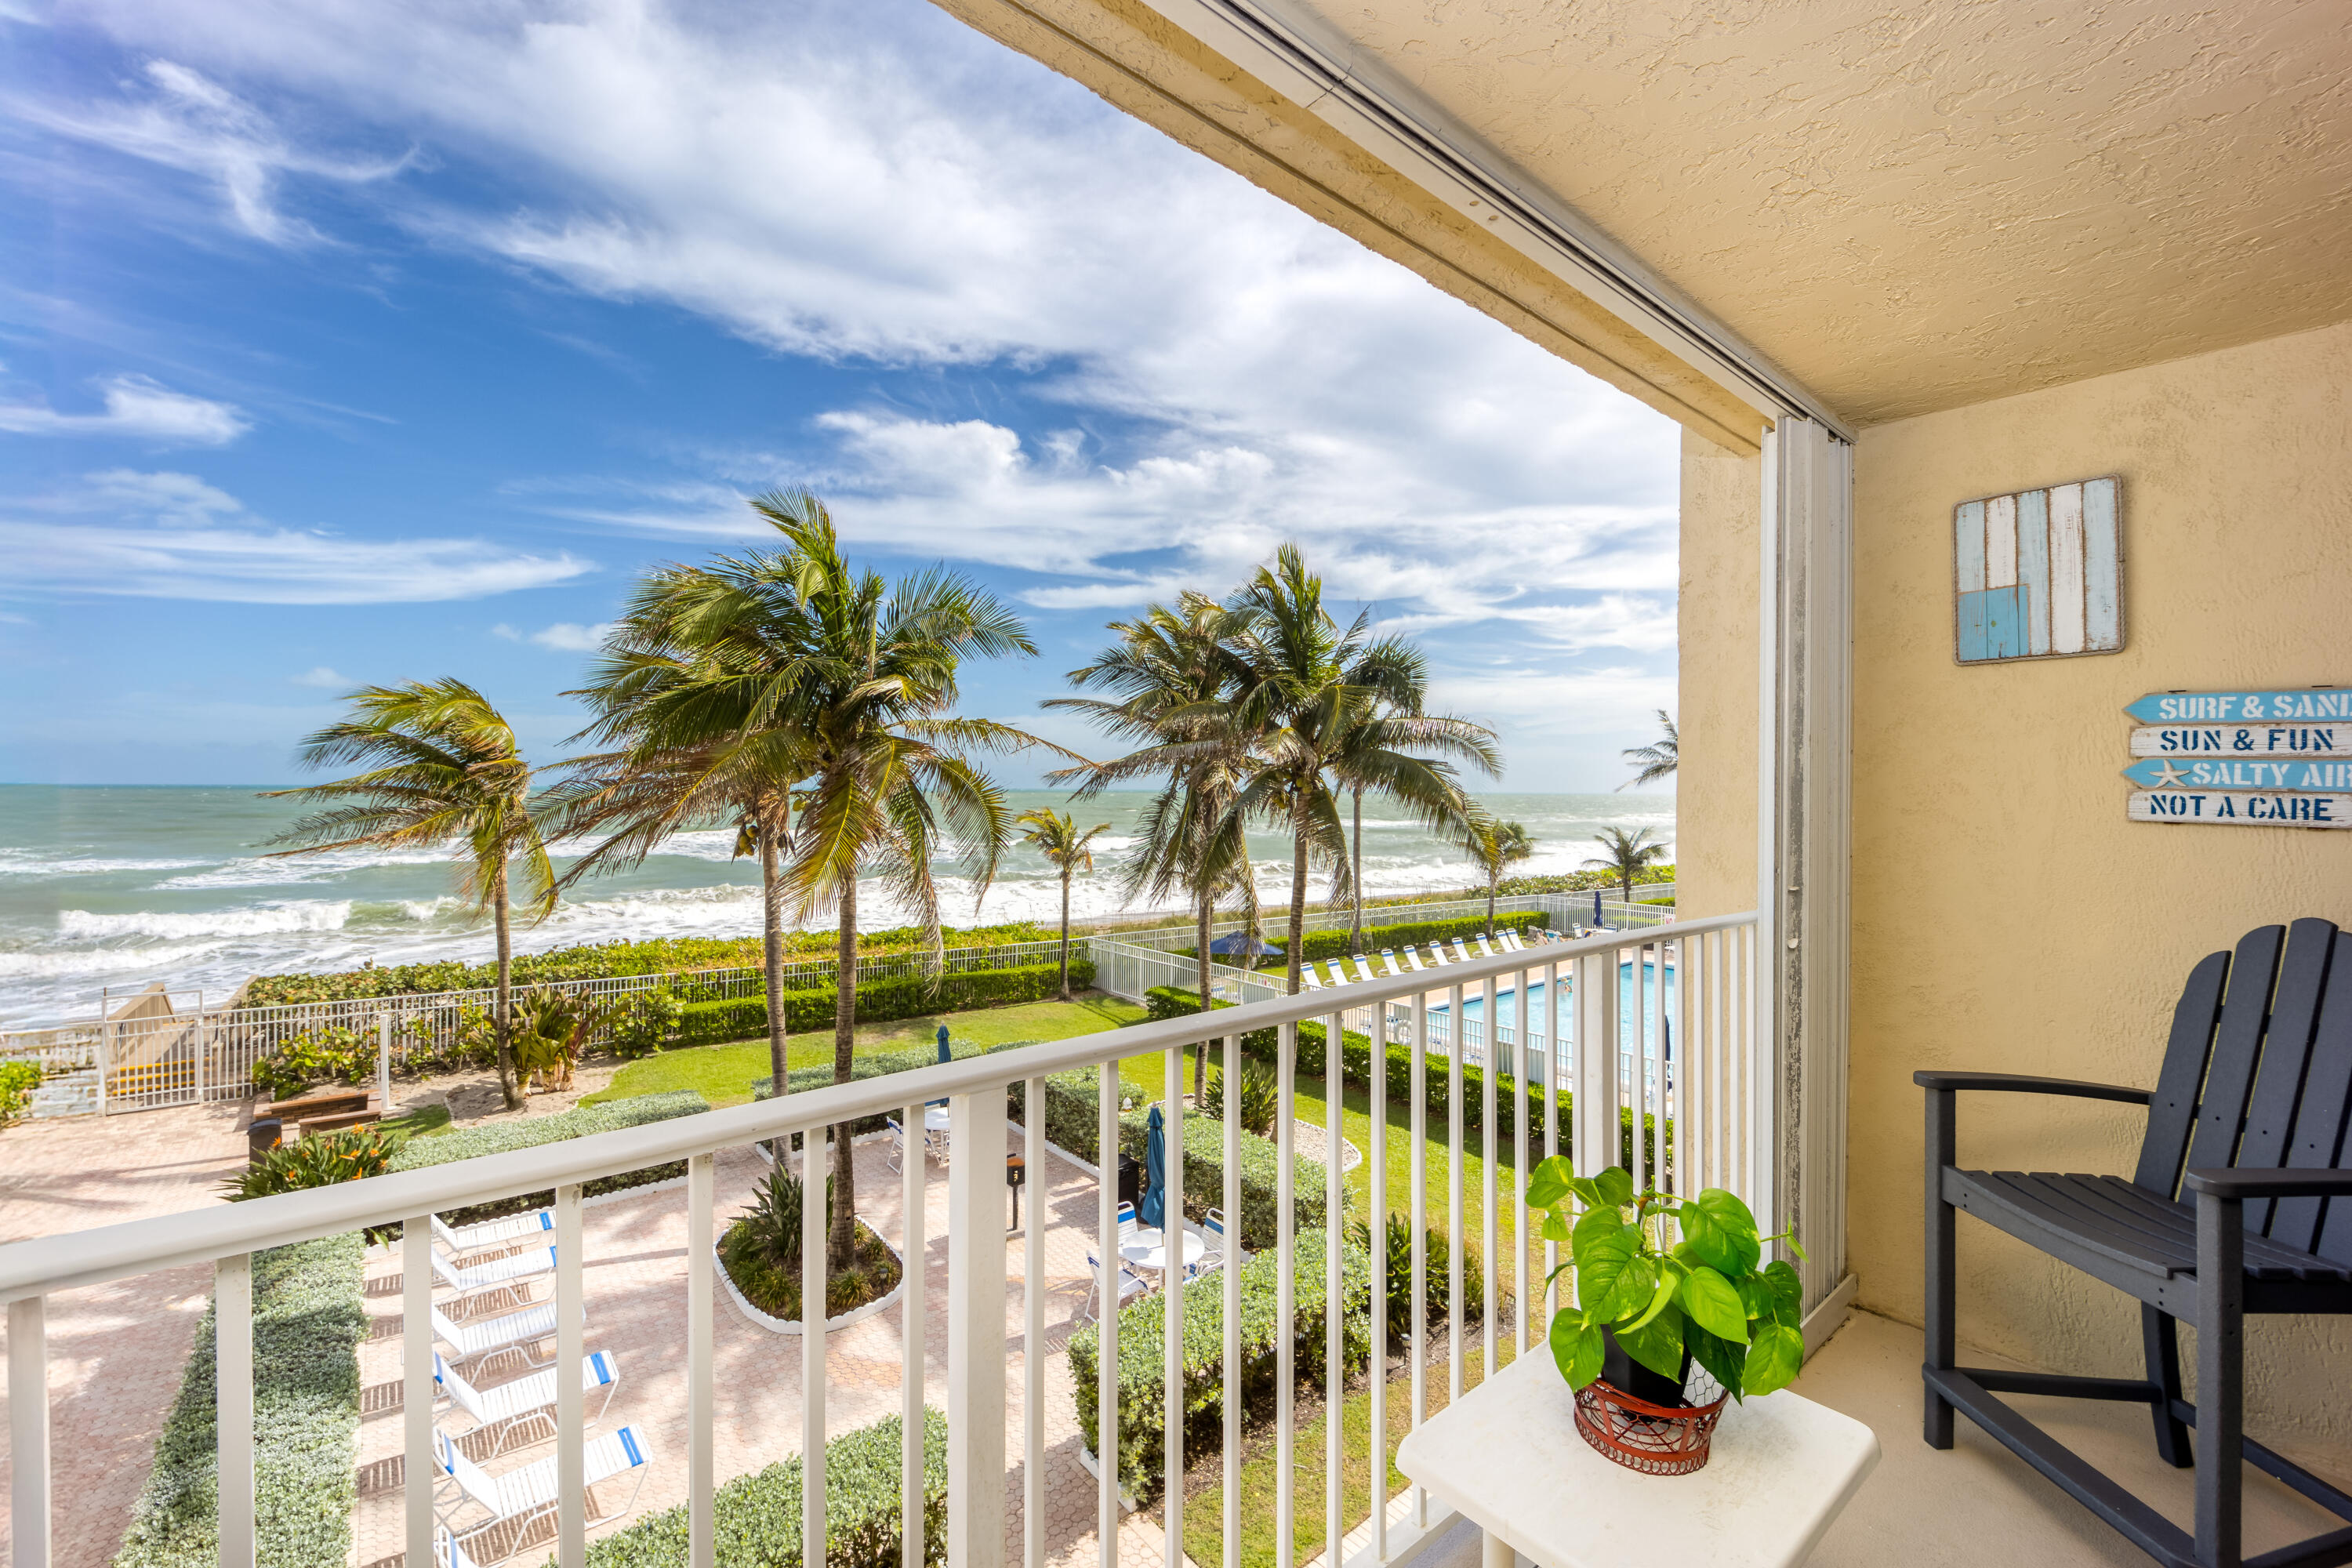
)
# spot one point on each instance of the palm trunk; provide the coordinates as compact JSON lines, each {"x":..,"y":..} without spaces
{"x":1066,"y":933}
{"x":1492,"y":873}
{"x":1628,"y":890}
{"x":1298,"y":903}
{"x":1356,"y":856}
{"x":502,"y":1017}
{"x":840,"y":1245}
{"x":1201,"y":1047}
{"x":772,"y":953}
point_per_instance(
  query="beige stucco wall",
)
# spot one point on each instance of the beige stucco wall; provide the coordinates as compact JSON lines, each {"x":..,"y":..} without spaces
{"x":1715,"y":789}
{"x":2006,"y":916}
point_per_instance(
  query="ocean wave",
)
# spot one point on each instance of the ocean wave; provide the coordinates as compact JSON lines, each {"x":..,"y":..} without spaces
{"x":58,"y":964}
{"x":310,"y":915}
{"x":16,"y":862}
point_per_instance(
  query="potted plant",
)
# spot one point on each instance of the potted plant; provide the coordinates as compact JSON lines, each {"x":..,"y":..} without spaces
{"x":1663,"y":1283}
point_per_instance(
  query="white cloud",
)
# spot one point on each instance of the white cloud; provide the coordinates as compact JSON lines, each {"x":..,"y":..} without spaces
{"x":569,"y":636}
{"x":506,"y":632}
{"x":135,"y":407}
{"x":190,"y":123}
{"x":874,"y":182}
{"x":322,"y":676}
{"x":172,"y":536}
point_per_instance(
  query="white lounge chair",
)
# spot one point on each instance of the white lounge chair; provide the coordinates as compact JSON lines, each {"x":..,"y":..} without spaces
{"x":502,"y":1235}
{"x":1388,"y":960}
{"x":1485,"y":950}
{"x":485,"y":1339}
{"x":1363,"y":968}
{"x":1438,"y":956}
{"x":1460,"y":952}
{"x":1412,"y":958}
{"x":511,"y":1275}
{"x":1306,"y":977}
{"x":1338,"y":975}
{"x":527,"y":1402}
{"x":520,"y":1497}
{"x":1510,"y":941}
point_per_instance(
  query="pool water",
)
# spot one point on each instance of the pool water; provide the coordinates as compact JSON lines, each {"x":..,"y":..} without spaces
{"x":1638,"y":1000}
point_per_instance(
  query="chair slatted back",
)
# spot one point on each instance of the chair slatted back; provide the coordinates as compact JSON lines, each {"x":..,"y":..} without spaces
{"x":2258,"y":1074}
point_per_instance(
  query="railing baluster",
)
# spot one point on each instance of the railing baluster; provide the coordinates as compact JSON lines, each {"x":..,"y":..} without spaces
{"x":1458,"y":1032}
{"x":1560,"y":1013}
{"x":233,"y":1404}
{"x":1285,"y":1303}
{"x":1107,"y":1302}
{"x":571,"y":1399}
{"x":1523,"y":1048}
{"x":1489,"y":1193}
{"x":1033,"y":1331}
{"x":1335,"y":1361}
{"x":1229,"y":1274}
{"x":1171,"y":1325}
{"x":1378,"y":1157}
{"x":976,"y":1285}
{"x":914,"y":1168}
{"x":1418,"y":1142}
{"x":416,"y":1384}
{"x":815,"y":1211}
{"x":702,"y":1403}
{"x":28,"y":1433}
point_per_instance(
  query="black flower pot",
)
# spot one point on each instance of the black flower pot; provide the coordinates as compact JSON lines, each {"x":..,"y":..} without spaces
{"x":1625,"y":1375}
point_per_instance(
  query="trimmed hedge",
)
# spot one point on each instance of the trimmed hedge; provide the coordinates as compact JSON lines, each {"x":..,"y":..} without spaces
{"x":1355,"y":1068}
{"x":1143,"y":1401}
{"x":308,"y":1322}
{"x":755,"y":1520}
{"x":879,"y":1000}
{"x":530,"y":1132}
{"x":1073,"y":1122}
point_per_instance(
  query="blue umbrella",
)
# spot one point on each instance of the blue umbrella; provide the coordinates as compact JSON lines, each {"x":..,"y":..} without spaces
{"x":1596,"y":906}
{"x":1153,"y":1210}
{"x":1242,"y":945}
{"x":945,"y":1055}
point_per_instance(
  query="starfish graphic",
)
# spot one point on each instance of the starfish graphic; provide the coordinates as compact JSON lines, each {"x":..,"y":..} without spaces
{"x":2168,"y":776}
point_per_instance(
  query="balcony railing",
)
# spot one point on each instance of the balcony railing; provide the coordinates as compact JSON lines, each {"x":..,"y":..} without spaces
{"x":1705,"y":1109}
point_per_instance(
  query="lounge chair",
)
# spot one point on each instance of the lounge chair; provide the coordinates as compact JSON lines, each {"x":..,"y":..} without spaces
{"x":1412,"y":958}
{"x":502,"y":1235}
{"x":509,"y":1274}
{"x":486,"y":1339}
{"x":519,"y":1499}
{"x":1460,"y":952}
{"x":1388,"y":960}
{"x":1484,"y":950}
{"x":1306,"y":977}
{"x":1212,"y":1234}
{"x":1437,"y":955}
{"x":1363,"y":968}
{"x":526,"y":1403}
{"x":1510,"y":941}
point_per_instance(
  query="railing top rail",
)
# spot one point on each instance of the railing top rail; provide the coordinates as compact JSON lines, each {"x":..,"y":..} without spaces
{"x":168,"y":1241}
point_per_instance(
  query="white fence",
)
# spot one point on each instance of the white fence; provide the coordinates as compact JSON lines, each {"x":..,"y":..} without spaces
{"x":1713,"y":1141}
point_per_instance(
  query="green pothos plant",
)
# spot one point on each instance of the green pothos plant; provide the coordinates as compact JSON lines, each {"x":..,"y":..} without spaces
{"x":1665,"y":1276}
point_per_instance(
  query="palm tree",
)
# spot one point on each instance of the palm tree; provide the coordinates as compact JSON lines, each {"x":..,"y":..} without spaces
{"x":1166,"y":679}
{"x":1312,"y":729}
{"x":445,"y":769}
{"x":1626,"y":854}
{"x":701,"y":697}
{"x":1659,"y":759}
{"x":1493,"y":846}
{"x":1398,"y":672}
{"x":1056,"y":836}
{"x":891,"y":774}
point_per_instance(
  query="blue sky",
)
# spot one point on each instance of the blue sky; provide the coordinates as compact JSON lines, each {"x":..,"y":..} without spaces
{"x":345,"y":342}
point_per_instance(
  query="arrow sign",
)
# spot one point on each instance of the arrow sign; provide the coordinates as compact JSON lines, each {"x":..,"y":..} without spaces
{"x":2241,"y":741}
{"x":2232,"y":808}
{"x":2240,"y":773}
{"x":2321,"y":702}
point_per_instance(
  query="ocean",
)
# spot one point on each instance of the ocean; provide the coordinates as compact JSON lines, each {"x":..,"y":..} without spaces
{"x":106,"y":890}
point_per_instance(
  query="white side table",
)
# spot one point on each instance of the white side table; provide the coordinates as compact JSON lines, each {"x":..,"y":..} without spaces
{"x":1509,"y":1457}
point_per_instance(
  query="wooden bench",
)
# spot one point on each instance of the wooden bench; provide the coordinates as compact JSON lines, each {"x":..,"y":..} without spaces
{"x":319,"y":1102}
{"x":336,"y":1121}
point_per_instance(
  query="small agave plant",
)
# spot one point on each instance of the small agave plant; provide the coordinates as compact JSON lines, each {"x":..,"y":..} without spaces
{"x":1667,"y":1278}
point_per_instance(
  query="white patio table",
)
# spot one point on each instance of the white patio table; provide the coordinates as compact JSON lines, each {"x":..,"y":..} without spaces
{"x":1150,"y":1250}
{"x":1509,"y":1457}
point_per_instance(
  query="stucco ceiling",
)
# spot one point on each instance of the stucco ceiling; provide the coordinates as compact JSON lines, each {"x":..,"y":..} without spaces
{"x":1920,"y":206}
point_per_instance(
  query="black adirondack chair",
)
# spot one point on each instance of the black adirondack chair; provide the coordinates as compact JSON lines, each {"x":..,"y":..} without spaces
{"x":2251,"y":1105}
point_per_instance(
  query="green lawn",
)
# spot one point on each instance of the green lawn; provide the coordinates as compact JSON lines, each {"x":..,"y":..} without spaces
{"x":724,"y":1074}
{"x":1204,"y":1511}
{"x":425,"y":1121}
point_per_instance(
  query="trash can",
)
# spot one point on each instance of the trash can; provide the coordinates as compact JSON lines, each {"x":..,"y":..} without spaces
{"x":1131,"y":1180}
{"x":261,"y":1138}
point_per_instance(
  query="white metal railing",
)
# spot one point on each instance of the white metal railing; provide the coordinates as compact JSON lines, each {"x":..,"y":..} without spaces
{"x":1716,"y":1139}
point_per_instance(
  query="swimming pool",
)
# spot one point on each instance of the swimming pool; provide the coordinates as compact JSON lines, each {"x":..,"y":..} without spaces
{"x":1638,"y":1000}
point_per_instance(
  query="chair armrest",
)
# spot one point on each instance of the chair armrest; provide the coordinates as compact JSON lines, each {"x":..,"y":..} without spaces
{"x":2240,"y":1186}
{"x":2018,"y":1083}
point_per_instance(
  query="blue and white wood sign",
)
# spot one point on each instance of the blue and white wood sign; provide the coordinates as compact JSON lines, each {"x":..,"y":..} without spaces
{"x":2038,"y":574}
{"x":2244,"y":758}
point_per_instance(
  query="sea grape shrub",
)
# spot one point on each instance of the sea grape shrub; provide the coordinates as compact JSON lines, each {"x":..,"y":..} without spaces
{"x":17,"y":1082}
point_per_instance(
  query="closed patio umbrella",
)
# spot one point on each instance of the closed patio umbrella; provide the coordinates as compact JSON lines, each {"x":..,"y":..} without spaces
{"x":1596,"y":906}
{"x":946,"y":1056}
{"x":1153,"y":1210}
